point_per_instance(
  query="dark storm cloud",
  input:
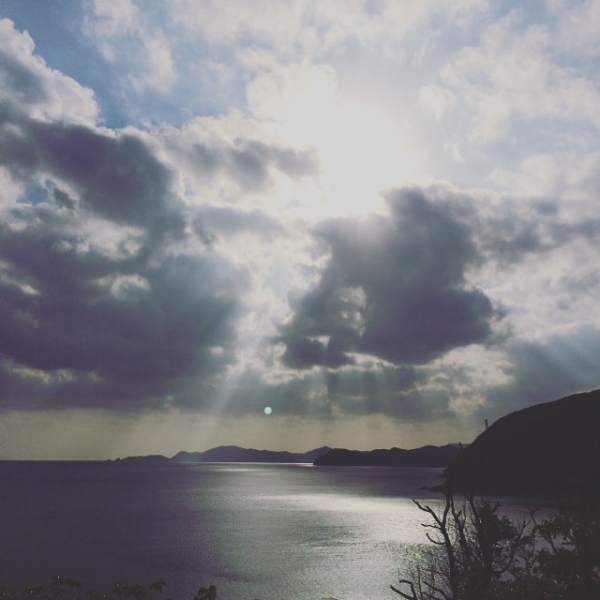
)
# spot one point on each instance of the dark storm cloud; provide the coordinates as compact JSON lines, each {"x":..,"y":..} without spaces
{"x":302,"y":352}
{"x":24,"y":390}
{"x":390,"y":391}
{"x":131,"y":333}
{"x":106,"y":299}
{"x":98,"y":307}
{"x":249,"y":163}
{"x":212,"y":222}
{"x":394,"y":288}
{"x":63,"y":199}
{"x":527,"y":228}
{"x":115,"y":177}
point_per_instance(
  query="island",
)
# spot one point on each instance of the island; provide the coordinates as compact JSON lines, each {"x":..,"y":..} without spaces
{"x":426,"y":456}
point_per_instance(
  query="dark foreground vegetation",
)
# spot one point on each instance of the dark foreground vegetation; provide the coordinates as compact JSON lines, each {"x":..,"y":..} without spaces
{"x":476,"y":553}
{"x":550,"y":450}
{"x":63,"y":588}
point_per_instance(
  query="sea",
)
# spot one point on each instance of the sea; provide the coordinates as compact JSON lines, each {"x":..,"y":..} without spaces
{"x":255,"y":531}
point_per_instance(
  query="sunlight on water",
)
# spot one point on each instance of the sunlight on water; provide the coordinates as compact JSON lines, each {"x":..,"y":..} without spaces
{"x":253,"y":530}
{"x":370,"y":518}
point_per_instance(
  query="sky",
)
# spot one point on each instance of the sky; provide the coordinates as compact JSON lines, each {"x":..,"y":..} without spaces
{"x":284,"y":224}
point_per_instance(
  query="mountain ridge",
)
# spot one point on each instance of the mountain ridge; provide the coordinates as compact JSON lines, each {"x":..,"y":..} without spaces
{"x":239,"y":454}
{"x":426,"y":456}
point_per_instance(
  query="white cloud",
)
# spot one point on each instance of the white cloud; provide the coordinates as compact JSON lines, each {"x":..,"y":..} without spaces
{"x":113,"y":17}
{"x":380,"y":23}
{"x":317,"y":27}
{"x":130,"y":40}
{"x":512,"y":74}
{"x":436,"y":100}
{"x":578,"y":28}
{"x":271,"y":21}
{"x":284,"y":92}
{"x":569,"y":176}
{"x":159,"y":71}
{"x":27,"y":82}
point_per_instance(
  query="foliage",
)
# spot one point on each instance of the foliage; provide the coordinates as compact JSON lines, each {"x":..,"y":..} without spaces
{"x":474,"y":548}
{"x":61,"y":588}
{"x":571,"y":558}
{"x":478,"y":554}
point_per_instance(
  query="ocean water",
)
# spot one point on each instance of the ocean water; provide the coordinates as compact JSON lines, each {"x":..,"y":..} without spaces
{"x":267,"y":531}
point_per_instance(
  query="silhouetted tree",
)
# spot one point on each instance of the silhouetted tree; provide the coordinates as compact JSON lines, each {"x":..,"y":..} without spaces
{"x":477,"y":554}
{"x":473,"y":549}
{"x":571,"y":557}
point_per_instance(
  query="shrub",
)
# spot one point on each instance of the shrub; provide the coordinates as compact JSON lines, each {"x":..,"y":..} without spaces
{"x":477,"y":554}
{"x":62,"y":588}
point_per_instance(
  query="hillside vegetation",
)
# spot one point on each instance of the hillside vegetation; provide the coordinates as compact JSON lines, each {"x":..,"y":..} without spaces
{"x":550,"y":449}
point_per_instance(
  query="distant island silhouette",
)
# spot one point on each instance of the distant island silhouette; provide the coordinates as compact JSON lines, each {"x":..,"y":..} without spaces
{"x":427,"y":456}
{"x":231,"y":454}
{"x":237,"y":454}
{"x":550,"y":449}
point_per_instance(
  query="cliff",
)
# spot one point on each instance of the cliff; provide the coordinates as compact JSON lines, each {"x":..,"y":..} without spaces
{"x":550,"y":449}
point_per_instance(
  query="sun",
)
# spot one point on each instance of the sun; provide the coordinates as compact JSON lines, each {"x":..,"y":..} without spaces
{"x":363,"y":148}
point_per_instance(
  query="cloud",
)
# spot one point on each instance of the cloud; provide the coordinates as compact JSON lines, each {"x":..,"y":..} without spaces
{"x":561,"y":365}
{"x":220,"y":159}
{"x":133,"y":40}
{"x":116,"y":177}
{"x":107,"y":297}
{"x":393,"y":288}
{"x":533,"y":229}
{"x":116,"y":288}
{"x":281,"y":23}
{"x":393,"y":392}
{"x":577,"y":31}
{"x":249,"y":162}
{"x":197,"y":260}
{"x":113,"y":18}
{"x":224,"y":23}
{"x":26,"y":80}
{"x":571,"y":175}
{"x":160,"y":70}
{"x":511,"y":74}
{"x":102,"y":329}
{"x":211,"y":222}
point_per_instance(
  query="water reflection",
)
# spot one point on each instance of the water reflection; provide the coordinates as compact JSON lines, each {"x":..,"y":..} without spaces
{"x":255,"y":531}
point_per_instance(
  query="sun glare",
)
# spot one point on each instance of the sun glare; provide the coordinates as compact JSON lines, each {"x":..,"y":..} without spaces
{"x":363,"y":149}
